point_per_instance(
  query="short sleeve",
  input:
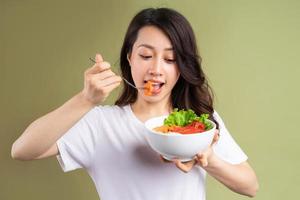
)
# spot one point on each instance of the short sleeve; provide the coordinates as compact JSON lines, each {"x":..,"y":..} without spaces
{"x":226,"y":148}
{"x":77,"y":146}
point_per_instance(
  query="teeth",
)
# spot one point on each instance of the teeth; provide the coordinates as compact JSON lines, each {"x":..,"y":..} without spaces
{"x":156,"y":87}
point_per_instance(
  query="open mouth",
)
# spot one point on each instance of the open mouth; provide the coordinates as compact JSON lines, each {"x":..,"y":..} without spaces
{"x":153,"y":87}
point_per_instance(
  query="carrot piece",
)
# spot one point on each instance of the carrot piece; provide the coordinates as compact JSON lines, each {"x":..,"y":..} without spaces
{"x":163,"y":129}
{"x":148,"y":88}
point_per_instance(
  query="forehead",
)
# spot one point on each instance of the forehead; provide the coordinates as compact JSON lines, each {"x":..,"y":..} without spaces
{"x":154,"y":37}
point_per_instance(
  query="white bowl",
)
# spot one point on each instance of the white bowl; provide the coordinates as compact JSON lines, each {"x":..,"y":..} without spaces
{"x":175,"y":145}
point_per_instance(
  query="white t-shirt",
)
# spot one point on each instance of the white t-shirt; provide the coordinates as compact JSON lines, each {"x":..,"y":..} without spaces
{"x":110,"y":143}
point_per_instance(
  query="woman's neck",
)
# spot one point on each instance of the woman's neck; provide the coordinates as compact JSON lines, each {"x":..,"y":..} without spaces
{"x":145,"y":110}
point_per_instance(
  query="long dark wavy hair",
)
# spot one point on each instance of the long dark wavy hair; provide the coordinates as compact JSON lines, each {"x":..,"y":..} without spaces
{"x":191,"y":90}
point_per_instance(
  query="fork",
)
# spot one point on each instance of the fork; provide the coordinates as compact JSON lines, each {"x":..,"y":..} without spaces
{"x":124,"y":79}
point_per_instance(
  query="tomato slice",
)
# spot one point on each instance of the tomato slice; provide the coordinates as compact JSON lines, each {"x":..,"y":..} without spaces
{"x":194,"y":127}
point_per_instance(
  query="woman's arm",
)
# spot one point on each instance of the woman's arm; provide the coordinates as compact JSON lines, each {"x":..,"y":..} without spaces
{"x":239,"y":178}
{"x":39,"y":139}
{"x":40,"y":136}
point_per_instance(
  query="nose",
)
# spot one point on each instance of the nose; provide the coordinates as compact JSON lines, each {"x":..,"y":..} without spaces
{"x":155,"y":70}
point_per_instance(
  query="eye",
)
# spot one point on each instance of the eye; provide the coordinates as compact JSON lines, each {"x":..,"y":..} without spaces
{"x":145,"y":57}
{"x":169,"y":60}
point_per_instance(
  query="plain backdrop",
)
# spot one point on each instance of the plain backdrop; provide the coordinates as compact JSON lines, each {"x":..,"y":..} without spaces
{"x":250,"y":54}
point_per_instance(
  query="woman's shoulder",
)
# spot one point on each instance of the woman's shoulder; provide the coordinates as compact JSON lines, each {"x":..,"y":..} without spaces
{"x":218,"y":118}
{"x":216,"y":115}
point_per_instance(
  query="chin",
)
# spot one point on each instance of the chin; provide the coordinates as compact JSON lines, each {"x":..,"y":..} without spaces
{"x":155,"y":98}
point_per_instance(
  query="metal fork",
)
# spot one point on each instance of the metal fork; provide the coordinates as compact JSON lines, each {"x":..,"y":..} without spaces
{"x":124,"y":79}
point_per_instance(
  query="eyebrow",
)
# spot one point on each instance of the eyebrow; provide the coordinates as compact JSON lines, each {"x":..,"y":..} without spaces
{"x":152,"y":47}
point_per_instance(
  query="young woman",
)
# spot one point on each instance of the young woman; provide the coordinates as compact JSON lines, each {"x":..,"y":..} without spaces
{"x":109,"y":141}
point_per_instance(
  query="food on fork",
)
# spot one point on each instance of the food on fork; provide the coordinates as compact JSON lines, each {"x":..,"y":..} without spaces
{"x":148,"y":91}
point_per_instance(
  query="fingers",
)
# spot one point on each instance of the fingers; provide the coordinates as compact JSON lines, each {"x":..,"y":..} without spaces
{"x":99,"y":90}
{"x":104,"y":78}
{"x":164,"y":160}
{"x":106,"y":82}
{"x":101,"y":76}
{"x":99,"y":81}
{"x":185,"y":167}
{"x":111,"y":86}
{"x":202,"y":159}
{"x":98,"y":67}
{"x":216,"y":138}
{"x":98,"y":58}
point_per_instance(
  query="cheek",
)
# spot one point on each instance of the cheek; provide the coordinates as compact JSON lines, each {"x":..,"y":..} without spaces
{"x":173,"y":75}
{"x":138,"y":68}
{"x":137,"y":73}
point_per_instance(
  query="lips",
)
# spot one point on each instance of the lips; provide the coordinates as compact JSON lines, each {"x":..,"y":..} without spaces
{"x":156,"y":85}
{"x":155,"y":82}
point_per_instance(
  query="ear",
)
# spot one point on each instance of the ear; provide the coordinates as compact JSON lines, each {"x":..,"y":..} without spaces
{"x":128,"y":58}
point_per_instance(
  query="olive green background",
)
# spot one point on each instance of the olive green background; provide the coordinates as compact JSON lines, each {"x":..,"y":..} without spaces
{"x":250,"y":54}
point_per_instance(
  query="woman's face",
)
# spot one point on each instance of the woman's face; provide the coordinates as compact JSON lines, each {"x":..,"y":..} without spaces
{"x":152,"y":59}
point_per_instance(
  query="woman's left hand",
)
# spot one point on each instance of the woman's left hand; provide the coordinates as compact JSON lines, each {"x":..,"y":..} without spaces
{"x":201,"y":158}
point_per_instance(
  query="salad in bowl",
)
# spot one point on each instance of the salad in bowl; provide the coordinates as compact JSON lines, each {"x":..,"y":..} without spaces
{"x":181,"y":134}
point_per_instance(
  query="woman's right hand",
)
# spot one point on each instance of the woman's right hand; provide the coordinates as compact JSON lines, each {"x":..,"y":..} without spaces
{"x":99,"y":81}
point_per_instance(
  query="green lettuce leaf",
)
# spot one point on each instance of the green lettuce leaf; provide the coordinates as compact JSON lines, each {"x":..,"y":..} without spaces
{"x":185,"y":117}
